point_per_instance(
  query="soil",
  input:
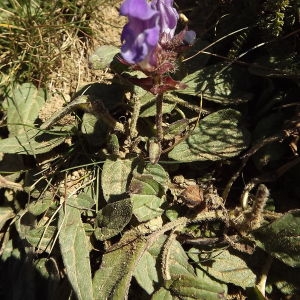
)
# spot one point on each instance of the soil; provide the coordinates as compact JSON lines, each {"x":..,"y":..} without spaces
{"x":74,"y":72}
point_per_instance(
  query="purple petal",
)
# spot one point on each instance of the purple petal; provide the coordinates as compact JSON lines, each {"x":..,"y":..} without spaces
{"x":139,"y":42}
{"x":168,"y":15}
{"x":140,"y":9}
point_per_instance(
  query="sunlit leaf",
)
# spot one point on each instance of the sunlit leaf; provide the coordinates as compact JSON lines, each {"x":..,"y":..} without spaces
{"x":84,"y":201}
{"x":33,"y":142}
{"x":113,"y":278}
{"x":162,"y":294}
{"x":220,"y":135}
{"x":115,"y":178}
{"x":157,"y":172}
{"x":175,"y":261}
{"x":146,"y":272}
{"x":39,"y":206}
{"x":218,"y":83}
{"x":190,"y":287}
{"x":42,"y":237}
{"x":281,"y":238}
{"x":22,"y":106}
{"x":226,"y":267}
{"x":146,"y":207}
{"x":112,"y":219}
{"x":147,"y":192}
{"x":6,"y":213}
{"x":75,"y":251}
{"x":103,"y":56}
{"x":149,"y":110}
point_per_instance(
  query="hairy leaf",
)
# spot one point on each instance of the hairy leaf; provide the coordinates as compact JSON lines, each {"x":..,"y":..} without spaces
{"x":6,"y":213}
{"x":162,"y":294}
{"x":112,"y":219}
{"x":113,"y":278}
{"x":281,"y":238}
{"x":147,"y":194}
{"x":75,"y":251}
{"x":190,"y":287}
{"x":175,"y":261}
{"x":149,"y":110}
{"x":218,"y":83}
{"x":147,"y":270}
{"x":146,"y":207}
{"x":39,"y":206}
{"x":158,"y":173}
{"x":42,"y":237}
{"x":33,"y":142}
{"x":23,"y":105}
{"x":218,"y":136}
{"x":226,"y":267}
{"x":103,"y":56}
{"x":84,"y":201}
{"x":115,"y":178}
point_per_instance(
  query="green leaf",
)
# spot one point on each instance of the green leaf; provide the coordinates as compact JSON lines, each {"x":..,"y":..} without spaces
{"x":113,"y":278}
{"x":75,"y":251}
{"x":158,"y":173}
{"x":176,"y":129}
{"x":42,"y":237}
{"x":146,"y":207}
{"x":103,"y":56}
{"x":33,"y":142}
{"x":219,"y":84}
{"x":39,"y":206}
{"x":146,"y":185}
{"x":281,"y":238}
{"x":84,"y":201}
{"x":226,"y":267}
{"x":148,"y":105}
{"x":94,"y":130}
{"x":112,"y":219}
{"x":149,"y":110}
{"x":175,"y":261}
{"x":162,"y":294}
{"x":147,"y":194}
{"x":22,"y":106}
{"x":146,"y":272}
{"x":6,"y":213}
{"x":115,"y":178}
{"x":190,"y":287}
{"x":218,"y":136}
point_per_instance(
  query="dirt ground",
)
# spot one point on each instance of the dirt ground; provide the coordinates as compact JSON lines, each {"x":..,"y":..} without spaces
{"x":74,"y":72}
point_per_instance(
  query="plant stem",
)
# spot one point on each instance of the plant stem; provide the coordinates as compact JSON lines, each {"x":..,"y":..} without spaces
{"x":134,"y":117}
{"x":159,"y":115}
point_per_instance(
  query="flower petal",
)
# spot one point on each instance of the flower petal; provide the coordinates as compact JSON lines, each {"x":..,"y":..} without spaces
{"x":140,"y":9}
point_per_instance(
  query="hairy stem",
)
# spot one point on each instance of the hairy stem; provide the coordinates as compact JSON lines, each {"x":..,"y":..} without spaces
{"x":159,"y":115}
{"x":134,"y":117}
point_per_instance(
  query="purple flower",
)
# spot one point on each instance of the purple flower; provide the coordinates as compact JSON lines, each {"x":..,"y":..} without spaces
{"x":141,"y":33}
{"x":168,"y":16}
{"x":146,"y":23}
